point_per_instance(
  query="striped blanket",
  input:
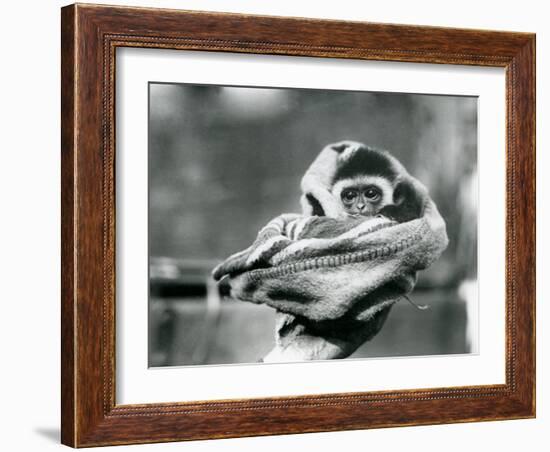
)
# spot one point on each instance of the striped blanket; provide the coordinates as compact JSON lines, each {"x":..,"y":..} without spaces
{"x":324,"y":268}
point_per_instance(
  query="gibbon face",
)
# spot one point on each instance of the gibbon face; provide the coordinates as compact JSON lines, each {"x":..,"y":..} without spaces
{"x":364,"y":195}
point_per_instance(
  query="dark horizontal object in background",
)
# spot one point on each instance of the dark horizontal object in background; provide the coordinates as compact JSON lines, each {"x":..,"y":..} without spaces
{"x":169,"y":278}
{"x":176,"y":289}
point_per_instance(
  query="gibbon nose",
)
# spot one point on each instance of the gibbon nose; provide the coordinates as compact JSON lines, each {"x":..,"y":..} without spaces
{"x":361,"y":206}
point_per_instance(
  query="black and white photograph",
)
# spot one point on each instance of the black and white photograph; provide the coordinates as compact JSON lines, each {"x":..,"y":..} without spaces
{"x":291,"y":225}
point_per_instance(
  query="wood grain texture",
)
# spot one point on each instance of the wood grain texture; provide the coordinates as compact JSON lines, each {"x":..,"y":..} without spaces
{"x":90,"y":36}
{"x":67,"y":226}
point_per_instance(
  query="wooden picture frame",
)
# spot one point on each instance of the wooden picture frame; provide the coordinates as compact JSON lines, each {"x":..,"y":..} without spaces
{"x":90,"y":35}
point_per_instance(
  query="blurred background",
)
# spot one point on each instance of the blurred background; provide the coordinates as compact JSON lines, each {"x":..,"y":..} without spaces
{"x":223,"y":161}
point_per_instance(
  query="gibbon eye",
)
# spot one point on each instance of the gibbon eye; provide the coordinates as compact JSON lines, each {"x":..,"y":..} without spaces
{"x":372,"y":193}
{"x":349,"y":195}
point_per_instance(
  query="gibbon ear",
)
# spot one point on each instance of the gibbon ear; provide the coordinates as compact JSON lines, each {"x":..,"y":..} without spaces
{"x":407,"y":204}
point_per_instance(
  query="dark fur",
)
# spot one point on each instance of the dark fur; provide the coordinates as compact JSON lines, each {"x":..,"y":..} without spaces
{"x":367,"y":161}
{"x":407,"y":203}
